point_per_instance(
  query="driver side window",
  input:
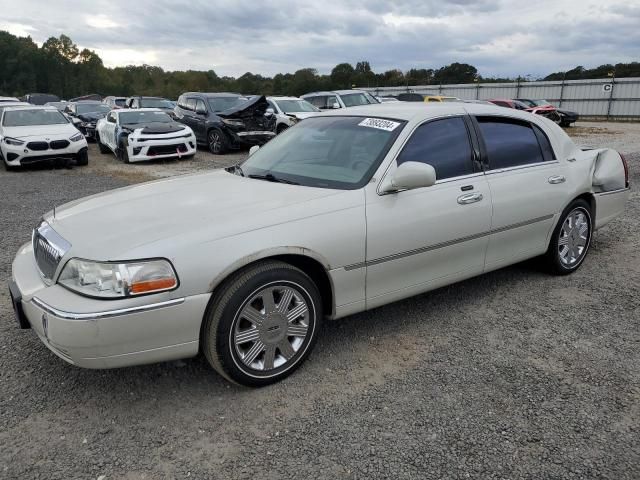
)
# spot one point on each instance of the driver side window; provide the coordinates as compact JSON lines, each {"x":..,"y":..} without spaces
{"x":111,"y":118}
{"x":444,"y":144}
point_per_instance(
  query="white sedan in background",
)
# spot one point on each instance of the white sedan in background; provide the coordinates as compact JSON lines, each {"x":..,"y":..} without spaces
{"x":34,"y":134}
{"x":137,"y":135}
{"x":344,"y":212}
{"x":289,"y":111}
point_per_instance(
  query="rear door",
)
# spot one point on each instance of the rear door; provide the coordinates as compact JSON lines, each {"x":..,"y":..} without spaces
{"x":428,"y":237}
{"x":527,"y":185}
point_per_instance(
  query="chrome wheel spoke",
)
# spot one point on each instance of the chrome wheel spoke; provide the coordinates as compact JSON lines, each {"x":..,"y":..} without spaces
{"x":297,"y":312}
{"x":297,"y":330}
{"x":563,"y":240}
{"x":286,"y":350}
{"x":253,"y":352}
{"x":285,"y":301}
{"x":268,"y":301}
{"x":269,"y":357}
{"x":247,"y":336}
{"x":252,"y":315}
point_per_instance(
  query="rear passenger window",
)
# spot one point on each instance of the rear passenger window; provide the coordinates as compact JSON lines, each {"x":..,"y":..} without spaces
{"x":443,"y":144}
{"x":545,"y":145}
{"x":509,"y":143}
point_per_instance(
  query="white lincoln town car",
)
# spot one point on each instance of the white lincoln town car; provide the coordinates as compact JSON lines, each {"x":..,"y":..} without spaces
{"x":344,"y":212}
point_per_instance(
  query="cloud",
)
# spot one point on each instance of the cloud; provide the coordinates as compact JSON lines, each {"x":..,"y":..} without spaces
{"x":500,"y":37}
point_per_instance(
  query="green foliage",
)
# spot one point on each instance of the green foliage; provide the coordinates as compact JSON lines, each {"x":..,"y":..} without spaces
{"x":60,"y":67}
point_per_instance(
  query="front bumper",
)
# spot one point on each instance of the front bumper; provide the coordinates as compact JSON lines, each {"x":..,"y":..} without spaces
{"x":17,"y":155}
{"x":151,"y":149}
{"x":95,"y":333}
{"x":250,"y":138}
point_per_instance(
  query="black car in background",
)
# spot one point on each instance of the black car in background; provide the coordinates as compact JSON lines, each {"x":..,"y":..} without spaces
{"x":40,"y":98}
{"x":163,"y":104}
{"x":85,"y":114}
{"x":567,"y":117}
{"x":226,"y":121}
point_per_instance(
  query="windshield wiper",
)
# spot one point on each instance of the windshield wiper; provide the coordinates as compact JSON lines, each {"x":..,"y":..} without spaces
{"x":270,"y":177}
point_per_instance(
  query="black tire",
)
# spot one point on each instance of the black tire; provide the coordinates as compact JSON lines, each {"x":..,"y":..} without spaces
{"x":223,"y":319}
{"x":187,"y":157}
{"x":101,"y":146}
{"x":217,"y":141}
{"x":82,"y":159}
{"x":123,"y":154}
{"x":565,"y":124}
{"x":553,"y":259}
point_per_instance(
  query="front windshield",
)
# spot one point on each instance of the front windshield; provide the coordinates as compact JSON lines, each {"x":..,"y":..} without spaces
{"x":326,"y":152}
{"x":132,"y":118}
{"x":540,"y":103}
{"x":220,"y":104}
{"x":356,"y":99}
{"x":29,"y":118}
{"x":154,"y":103}
{"x":296,"y":106}
{"x":120,"y":102}
{"x":82,"y":108}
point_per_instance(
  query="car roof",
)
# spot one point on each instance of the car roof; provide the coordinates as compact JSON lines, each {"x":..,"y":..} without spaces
{"x":147,"y":109}
{"x":214,"y":94}
{"x":283,"y":97}
{"x":28,"y":106}
{"x":419,"y":111}
{"x":333,"y":92}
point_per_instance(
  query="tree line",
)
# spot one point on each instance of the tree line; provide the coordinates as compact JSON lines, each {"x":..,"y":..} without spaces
{"x":61,"y":68}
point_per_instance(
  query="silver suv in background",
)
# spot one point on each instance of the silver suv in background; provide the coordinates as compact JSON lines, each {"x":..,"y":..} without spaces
{"x":339,"y":99}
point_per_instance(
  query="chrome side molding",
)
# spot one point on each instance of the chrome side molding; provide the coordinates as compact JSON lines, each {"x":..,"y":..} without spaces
{"x":105,"y":313}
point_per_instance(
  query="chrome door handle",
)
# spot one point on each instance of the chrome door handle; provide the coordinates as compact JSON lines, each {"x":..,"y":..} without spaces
{"x":556,"y":179}
{"x":469,"y":198}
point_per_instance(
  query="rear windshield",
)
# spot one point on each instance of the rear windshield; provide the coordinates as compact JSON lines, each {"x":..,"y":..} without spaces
{"x":296,"y":106}
{"x":120,"y":102}
{"x":155,"y":103}
{"x":26,"y":118}
{"x":92,"y":107}
{"x":220,"y":104}
{"x":133,"y":118}
{"x":355,"y":99}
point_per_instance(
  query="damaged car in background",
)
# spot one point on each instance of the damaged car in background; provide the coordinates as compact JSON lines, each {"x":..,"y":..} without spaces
{"x":144,"y":134}
{"x":226,"y":121}
{"x":36,"y":134}
{"x":85,"y":114}
{"x":564,"y":117}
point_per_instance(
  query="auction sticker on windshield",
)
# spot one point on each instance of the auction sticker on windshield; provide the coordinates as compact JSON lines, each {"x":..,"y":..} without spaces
{"x":380,"y":124}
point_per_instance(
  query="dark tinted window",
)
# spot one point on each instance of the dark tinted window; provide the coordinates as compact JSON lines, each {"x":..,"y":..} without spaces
{"x":545,"y":145}
{"x":443,"y":144}
{"x":509,"y":143}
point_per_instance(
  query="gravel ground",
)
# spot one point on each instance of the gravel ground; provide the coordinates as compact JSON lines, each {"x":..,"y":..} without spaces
{"x":512,"y":375}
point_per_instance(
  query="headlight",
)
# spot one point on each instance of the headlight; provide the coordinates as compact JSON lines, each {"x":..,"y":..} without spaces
{"x":12,"y":141}
{"x":233,"y":123}
{"x":116,"y":280}
{"x":77,"y":137}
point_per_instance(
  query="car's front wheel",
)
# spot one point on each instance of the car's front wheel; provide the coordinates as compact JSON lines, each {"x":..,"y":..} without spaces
{"x":82,"y":158}
{"x":217,"y":141}
{"x":571,"y":239}
{"x":262,"y":324}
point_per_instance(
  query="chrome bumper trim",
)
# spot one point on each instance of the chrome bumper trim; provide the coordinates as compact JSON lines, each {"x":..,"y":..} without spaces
{"x":104,"y":314}
{"x":612,"y":192}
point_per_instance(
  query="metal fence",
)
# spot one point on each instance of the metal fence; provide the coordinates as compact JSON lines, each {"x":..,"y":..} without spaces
{"x":610,"y":98}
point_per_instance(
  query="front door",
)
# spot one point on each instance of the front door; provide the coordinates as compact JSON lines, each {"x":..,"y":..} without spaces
{"x":424,"y":238}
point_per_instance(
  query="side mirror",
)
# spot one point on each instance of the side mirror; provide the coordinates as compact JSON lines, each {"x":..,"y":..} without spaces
{"x":410,"y":175}
{"x":254,"y":149}
{"x":269,"y":111}
{"x":335,"y":105}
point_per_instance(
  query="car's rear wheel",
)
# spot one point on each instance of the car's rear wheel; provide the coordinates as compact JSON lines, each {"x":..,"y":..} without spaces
{"x":262,"y":324}
{"x":217,"y":141}
{"x":101,"y":146}
{"x":571,"y":239}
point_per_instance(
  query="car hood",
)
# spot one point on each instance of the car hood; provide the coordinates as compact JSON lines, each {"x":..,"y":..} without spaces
{"x":39,"y":130}
{"x":157,"y":128}
{"x":250,"y":108}
{"x":301,"y":115}
{"x":91,"y":116}
{"x":151,"y":219}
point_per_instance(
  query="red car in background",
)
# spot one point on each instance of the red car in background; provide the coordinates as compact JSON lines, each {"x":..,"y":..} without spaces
{"x":548,"y":110}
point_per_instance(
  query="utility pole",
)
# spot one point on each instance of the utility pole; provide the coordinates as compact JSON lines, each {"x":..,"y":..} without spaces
{"x":613,"y":85}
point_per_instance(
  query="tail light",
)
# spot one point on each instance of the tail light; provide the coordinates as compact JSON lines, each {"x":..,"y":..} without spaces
{"x":626,"y":170}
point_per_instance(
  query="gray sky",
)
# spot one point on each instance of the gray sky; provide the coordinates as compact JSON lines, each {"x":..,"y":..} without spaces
{"x":499,"y":37}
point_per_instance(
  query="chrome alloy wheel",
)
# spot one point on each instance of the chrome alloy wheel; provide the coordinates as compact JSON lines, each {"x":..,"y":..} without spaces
{"x":215,"y":142}
{"x":271,"y":327}
{"x":574,"y":237}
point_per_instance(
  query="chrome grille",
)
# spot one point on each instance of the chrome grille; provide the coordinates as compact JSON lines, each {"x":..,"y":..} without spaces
{"x":48,"y":248}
